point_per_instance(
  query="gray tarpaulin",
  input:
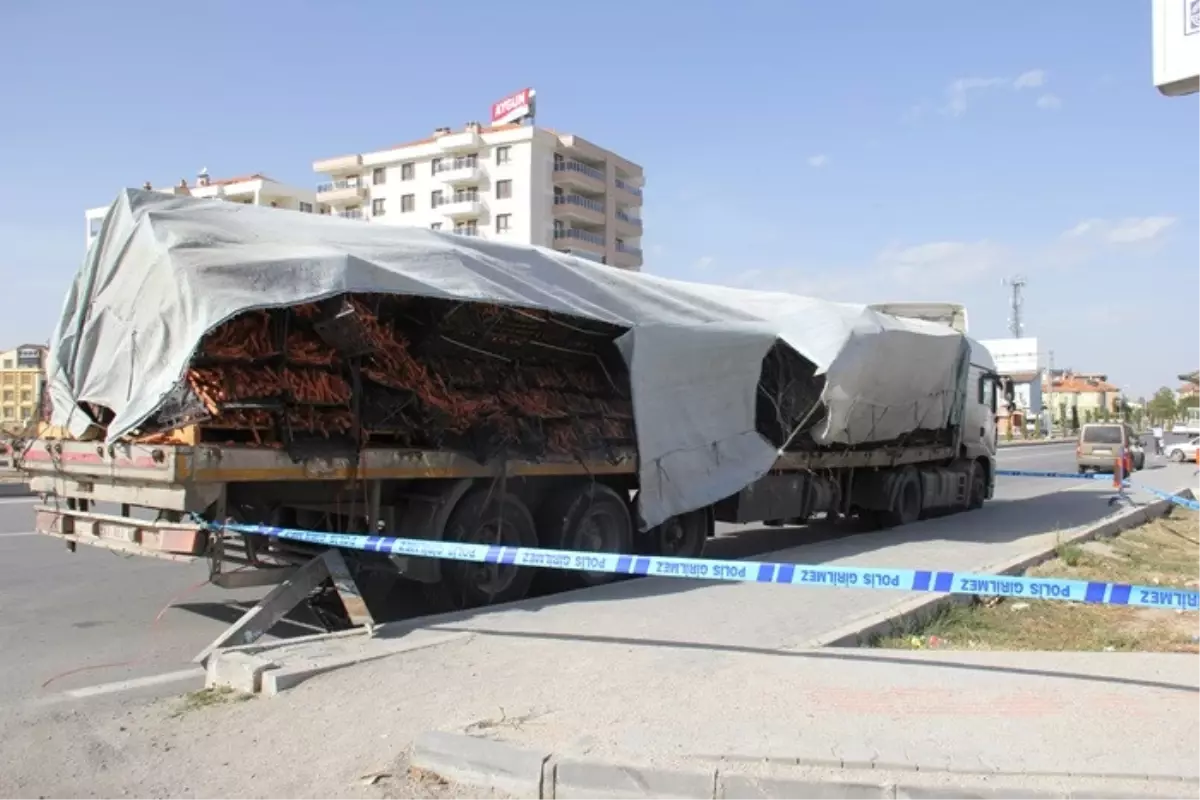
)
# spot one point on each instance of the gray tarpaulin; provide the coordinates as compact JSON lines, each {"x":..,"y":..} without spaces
{"x":166,"y":270}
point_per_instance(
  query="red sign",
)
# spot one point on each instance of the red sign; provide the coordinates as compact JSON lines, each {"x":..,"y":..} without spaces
{"x":513,"y":107}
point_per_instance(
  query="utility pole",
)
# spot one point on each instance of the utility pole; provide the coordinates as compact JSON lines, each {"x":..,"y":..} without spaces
{"x":1016,"y":285}
{"x":1050,"y":395}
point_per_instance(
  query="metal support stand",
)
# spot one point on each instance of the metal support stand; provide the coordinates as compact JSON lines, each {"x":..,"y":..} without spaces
{"x":293,"y":591}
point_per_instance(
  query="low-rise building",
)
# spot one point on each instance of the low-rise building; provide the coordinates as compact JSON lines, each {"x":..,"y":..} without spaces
{"x":256,"y":189}
{"x":1090,"y":395}
{"x":22,"y":373}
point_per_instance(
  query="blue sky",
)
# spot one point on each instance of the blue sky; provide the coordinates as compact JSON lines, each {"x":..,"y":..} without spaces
{"x":849,"y":150}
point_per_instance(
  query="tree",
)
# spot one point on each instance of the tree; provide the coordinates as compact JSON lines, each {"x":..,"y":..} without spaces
{"x":1162,"y":407}
{"x":1191,"y":401}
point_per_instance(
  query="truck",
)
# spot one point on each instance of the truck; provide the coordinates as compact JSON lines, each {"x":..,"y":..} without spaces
{"x":218,"y":363}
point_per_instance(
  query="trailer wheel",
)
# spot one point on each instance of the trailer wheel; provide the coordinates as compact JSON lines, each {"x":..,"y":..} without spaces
{"x":906,"y":509}
{"x":586,"y":517}
{"x":485,"y":516}
{"x":683,"y":536}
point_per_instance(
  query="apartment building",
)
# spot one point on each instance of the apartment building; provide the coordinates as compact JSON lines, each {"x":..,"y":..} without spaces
{"x":256,"y":189}
{"x":22,"y":372}
{"x":509,"y":182}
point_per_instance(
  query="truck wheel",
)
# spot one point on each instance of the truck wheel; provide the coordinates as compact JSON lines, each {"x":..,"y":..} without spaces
{"x":683,"y":536}
{"x":485,"y":516}
{"x":978,"y":488}
{"x":585,"y":517}
{"x":906,"y":509}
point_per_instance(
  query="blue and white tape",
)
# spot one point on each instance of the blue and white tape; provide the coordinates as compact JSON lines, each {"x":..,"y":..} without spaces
{"x":905,"y":580}
{"x":1037,"y":473}
{"x":1178,"y":500}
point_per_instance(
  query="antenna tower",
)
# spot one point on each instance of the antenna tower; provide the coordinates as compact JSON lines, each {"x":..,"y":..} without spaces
{"x":1016,"y":286}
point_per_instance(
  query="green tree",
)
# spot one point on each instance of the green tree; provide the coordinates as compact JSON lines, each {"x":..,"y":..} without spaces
{"x":1191,"y":401}
{"x":1162,"y":407}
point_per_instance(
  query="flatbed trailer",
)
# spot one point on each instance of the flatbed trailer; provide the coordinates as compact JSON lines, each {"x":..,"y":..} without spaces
{"x":415,"y":493}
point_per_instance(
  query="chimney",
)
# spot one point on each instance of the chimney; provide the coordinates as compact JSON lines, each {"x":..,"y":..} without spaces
{"x":183,"y":187}
{"x":202,"y":177}
{"x":147,"y":186}
{"x":440,"y":132}
{"x":473,"y":127}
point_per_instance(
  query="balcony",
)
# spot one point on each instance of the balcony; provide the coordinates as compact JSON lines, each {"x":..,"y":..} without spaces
{"x":569,"y":172}
{"x":627,"y":257}
{"x":459,"y":171}
{"x":462,"y":206}
{"x":578,"y":207}
{"x":342,"y":164}
{"x":458,"y":142}
{"x":344,"y":192}
{"x":579,"y":238}
{"x":629,"y":222}
{"x":351,"y":213}
{"x":629,"y":188}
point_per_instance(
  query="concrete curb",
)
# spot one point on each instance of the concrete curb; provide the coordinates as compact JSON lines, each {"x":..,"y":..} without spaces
{"x":1033,"y":442}
{"x":915,"y":612}
{"x":267,"y":669}
{"x":486,"y":763}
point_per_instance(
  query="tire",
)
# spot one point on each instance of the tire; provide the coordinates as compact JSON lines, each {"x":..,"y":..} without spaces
{"x":978,"y":491}
{"x":484,"y":516}
{"x":680,"y":537}
{"x":1176,"y":456}
{"x":906,"y":508}
{"x":587,"y":517}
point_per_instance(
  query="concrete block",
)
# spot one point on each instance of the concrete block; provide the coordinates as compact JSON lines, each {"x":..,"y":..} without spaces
{"x":963,"y":792}
{"x":238,"y":671}
{"x":745,"y":786}
{"x":480,"y":762}
{"x":589,"y":779}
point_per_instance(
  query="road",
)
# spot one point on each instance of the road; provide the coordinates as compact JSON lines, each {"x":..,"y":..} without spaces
{"x":74,"y":626}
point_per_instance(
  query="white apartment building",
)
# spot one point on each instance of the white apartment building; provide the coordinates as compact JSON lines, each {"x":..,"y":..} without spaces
{"x":516,"y":183}
{"x":258,"y":190}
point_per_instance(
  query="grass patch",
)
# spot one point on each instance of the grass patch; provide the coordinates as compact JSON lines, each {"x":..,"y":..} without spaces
{"x":194,"y":701}
{"x":1163,"y":552}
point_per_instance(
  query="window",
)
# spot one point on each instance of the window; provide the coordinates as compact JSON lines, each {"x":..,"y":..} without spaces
{"x":377,"y":206}
{"x":436,"y":198}
{"x":305,"y":207}
{"x":468,"y":195}
{"x":408,"y":171}
{"x":8,"y":363}
{"x":502,"y":222}
{"x":94,"y":225}
{"x":503,"y":190}
{"x":435,"y":166}
{"x":8,"y":396}
{"x":1102,"y":434}
{"x":503,"y":154}
{"x":468,"y":228}
{"x":26,"y":396}
{"x":987,"y":391}
{"x":436,"y":226}
{"x":378,"y":176}
{"x":8,"y":412}
{"x":408,"y":202}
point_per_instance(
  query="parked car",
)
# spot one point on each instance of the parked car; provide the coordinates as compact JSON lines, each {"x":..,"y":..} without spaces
{"x":1183,"y":451}
{"x":1101,"y":443}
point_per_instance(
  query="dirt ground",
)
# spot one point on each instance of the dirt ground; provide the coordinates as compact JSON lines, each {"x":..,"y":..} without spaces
{"x":1164,"y":552}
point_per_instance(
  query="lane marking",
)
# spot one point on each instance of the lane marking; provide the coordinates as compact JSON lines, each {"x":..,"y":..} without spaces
{"x":116,"y":687}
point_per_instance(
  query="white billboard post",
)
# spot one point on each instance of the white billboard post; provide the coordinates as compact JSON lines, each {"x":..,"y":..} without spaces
{"x":1176,"y":37}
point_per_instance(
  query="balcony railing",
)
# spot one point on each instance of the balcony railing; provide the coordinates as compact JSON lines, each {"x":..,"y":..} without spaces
{"x":457,"y":197}
{"x":580,"y":235}
{"x":353,"y":213}
{"x":578,"y":200}
{"x":630,"y":249}
{"x":466,"y":231}
{"x":628,"y":219}
{"x":633,"y":190}
{"x":571,"y":165}
{"x":333,"y":186}
{"x":451,"y":164}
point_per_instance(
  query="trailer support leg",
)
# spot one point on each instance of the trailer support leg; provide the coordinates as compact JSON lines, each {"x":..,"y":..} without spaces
{"x":290,"y":593}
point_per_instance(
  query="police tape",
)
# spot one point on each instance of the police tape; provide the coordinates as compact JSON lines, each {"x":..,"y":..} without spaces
{"x":905,"y":580}
{"x":1177,"y":499}
{"x":1039,"y":473}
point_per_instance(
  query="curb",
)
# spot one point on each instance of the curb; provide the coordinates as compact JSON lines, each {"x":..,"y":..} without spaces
{"x":264,"y":668}
{"x":1032,"y":443}
{"x":487,"y":763}
{"x":919,"y":610}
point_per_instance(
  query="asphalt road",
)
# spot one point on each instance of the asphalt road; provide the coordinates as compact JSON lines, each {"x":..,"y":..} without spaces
{"x":92,"y":624}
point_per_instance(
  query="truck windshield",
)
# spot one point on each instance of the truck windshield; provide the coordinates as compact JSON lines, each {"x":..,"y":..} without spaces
{"x":1102,"y":434}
